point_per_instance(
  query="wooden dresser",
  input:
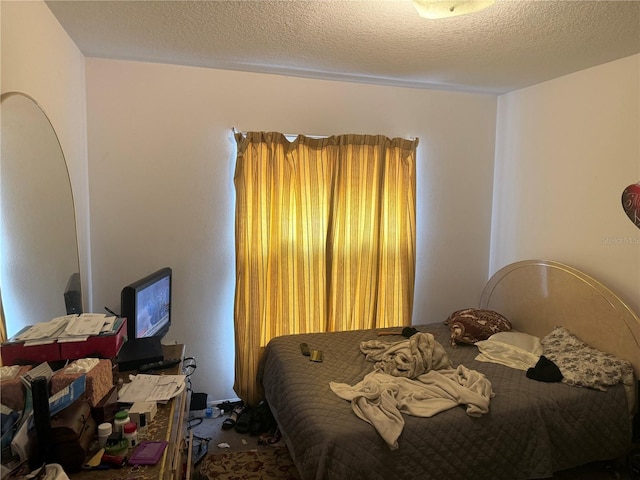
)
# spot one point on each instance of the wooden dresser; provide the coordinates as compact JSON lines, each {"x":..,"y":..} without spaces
{"x":168,"y":424}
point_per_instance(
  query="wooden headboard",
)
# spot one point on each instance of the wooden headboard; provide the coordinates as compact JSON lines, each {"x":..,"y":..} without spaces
{"x":538,"y":295}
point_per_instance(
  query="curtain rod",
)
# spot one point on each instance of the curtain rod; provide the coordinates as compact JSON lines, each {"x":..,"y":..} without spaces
{"x":288,"y":135}
{"x":294,"y":135}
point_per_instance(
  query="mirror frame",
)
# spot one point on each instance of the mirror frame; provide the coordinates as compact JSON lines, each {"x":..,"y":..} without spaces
{"x":60,"y":296}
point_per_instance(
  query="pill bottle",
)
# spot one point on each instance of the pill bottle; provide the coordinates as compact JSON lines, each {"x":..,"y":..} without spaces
{"x":104,"y":432}
{"x":131,"y":434}
{"x":120,"y":420}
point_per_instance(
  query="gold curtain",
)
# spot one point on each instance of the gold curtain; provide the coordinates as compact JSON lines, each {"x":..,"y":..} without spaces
{"x":325,"y":239}
{"x":3,"y":325}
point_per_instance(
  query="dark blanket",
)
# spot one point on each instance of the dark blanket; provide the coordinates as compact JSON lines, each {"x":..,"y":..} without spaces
{"x":531,"y":430}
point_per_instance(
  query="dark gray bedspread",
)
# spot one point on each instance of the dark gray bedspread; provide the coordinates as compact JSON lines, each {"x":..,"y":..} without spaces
{"x":532,"y":429}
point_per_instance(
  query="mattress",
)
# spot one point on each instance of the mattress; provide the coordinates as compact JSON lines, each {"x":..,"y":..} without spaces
{"x":532,"y":428}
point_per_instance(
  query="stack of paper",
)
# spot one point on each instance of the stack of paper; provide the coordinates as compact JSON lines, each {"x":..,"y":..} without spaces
{"x":67,"y":328}
{"x":82,"y":326}
{"x":45,"y":332}
{"x":151,"y":388}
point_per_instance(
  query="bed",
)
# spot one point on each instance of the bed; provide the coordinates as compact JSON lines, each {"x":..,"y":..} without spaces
{"x":532,"y":428}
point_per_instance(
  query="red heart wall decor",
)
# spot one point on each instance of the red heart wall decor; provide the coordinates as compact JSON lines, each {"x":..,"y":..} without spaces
{"x":631,"y":203}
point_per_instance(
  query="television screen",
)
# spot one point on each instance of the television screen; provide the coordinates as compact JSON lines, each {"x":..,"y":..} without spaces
{"x":146,"y":304}
{"x":153,"y":307}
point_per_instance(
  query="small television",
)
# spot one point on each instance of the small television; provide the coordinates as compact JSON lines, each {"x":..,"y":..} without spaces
{"x":146,"y":304}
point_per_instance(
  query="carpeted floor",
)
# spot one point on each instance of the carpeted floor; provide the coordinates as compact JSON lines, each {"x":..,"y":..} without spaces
{"x":228,"y":455}
{"x":274,"y":463}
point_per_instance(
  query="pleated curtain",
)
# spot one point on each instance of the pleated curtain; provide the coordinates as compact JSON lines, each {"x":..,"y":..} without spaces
{"x":3,"y":326}
{"x":325,"y":239}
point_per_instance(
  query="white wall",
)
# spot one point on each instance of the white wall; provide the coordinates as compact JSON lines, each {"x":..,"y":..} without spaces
{"x":161,"y":165}
{"x":565,"y":151}
{"x":162,"y":158}
{"x":38,"y":58}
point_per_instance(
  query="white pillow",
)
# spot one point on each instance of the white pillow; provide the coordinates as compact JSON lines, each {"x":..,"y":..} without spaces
{"x":524,"y":341}
{"x":512,"y":349}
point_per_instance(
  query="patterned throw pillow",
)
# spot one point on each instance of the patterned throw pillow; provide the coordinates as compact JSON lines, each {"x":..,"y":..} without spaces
{"x":582,"y":365}
{"x":472,"y":325}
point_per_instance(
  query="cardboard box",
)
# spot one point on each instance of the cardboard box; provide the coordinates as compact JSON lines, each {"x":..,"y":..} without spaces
{"x":73,"y":429}
{"x":106,"y":410}
{"x":22,"y":443}
{"x":148,"y":408}
{"x":101,"y":346}
{"x":13,"y":390}
{"x":99,"y":381}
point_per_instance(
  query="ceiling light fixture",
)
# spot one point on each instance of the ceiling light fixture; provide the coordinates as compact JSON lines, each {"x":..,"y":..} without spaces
{"x":433,"y":9}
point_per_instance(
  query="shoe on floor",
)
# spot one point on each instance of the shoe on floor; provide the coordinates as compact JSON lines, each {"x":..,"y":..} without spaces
{"x":243,"y":425}
{"x":230,"y":422}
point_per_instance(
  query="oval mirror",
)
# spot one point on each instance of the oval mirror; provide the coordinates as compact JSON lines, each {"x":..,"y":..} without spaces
{"x":39,"y":265}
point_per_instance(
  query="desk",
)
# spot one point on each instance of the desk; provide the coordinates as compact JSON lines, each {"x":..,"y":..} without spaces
{"x":168,"y":424}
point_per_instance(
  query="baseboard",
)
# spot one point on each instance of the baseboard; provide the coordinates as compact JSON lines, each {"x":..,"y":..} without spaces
{"x":199,"y":401}
{"x":215,"y":402}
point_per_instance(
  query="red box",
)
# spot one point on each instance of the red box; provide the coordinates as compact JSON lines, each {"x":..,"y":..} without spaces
{"x":18,"y":354}
{"x":102,"y":346}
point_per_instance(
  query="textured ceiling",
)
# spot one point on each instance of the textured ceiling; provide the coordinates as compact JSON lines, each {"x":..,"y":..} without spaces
{"x":513,"y":44}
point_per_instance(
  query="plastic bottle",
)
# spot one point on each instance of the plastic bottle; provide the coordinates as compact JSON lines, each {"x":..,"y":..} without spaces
{"x":131,"y":434}
{"x":120,"y":420}
{"x":104,"y":431}
{"x":211,"y":411}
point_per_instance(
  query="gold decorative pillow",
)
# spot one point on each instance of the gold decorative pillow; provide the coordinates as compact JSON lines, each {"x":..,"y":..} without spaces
{"x":472,"y":325}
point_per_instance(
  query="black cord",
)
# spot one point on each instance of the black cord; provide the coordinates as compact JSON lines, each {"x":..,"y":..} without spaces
{"x":191,"y":425}
{"x":202,"y":439}
{"x":189,"y":366}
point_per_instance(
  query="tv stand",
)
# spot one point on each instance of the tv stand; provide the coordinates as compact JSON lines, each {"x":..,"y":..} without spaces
{"x":138,"y":351}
